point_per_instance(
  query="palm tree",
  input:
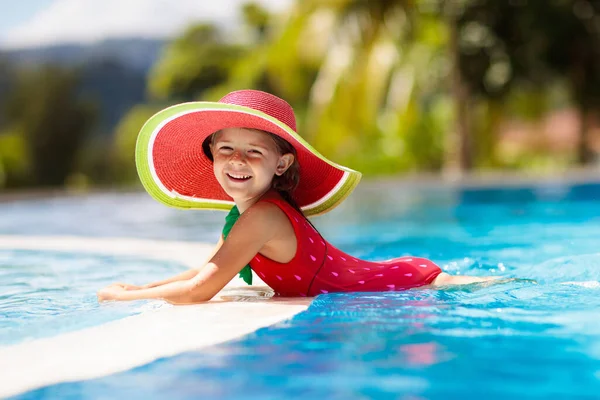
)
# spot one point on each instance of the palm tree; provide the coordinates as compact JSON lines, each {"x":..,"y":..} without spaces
{"x":368,"y":76}
{"x":538,"y":43}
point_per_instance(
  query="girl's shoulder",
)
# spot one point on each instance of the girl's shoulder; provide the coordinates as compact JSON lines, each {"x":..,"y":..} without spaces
{"x":257,"y":225}
{"x":265,"y":213}
{"x":281,"y":203}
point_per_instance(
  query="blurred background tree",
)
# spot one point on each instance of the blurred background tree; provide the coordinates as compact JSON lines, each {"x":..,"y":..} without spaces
{"x":46,"y":115}
{"x":385,"y":87}
{"x":126,"y":132}
{"x":192,"y":63}
{"x":524,"y":48}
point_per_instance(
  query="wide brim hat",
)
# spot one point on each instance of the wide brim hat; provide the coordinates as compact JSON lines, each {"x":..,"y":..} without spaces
{"x":175,"y":169}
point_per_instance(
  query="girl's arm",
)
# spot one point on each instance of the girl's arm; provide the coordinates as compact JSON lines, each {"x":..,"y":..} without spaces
{"x":186,"y":275}
{"x":251,"y":232}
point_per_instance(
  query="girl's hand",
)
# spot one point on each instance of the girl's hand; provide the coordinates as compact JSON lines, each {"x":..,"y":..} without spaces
{"x":127,"y":286}
{"x":110,"y":292}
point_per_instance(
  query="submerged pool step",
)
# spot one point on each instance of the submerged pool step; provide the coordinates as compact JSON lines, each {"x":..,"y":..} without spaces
{"x":134,"y":341}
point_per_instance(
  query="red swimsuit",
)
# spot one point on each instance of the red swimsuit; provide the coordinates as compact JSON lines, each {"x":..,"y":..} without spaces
{"x":318,"y":267}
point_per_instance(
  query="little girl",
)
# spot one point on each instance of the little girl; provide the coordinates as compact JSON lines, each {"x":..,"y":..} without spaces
{"x":245,"y":148}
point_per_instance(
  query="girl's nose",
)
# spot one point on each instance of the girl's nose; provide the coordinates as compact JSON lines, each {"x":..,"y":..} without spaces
{"x":237,"y":157}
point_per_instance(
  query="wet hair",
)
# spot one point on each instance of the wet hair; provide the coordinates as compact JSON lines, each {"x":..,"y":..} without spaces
{"x":285,"y":184}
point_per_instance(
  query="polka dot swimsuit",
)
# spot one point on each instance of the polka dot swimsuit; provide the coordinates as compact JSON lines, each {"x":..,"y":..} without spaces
{"x":318,"y":267}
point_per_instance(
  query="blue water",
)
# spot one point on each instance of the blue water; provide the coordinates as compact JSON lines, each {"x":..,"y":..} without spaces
{"x":44,"y":293}
{"x":536,"y":335}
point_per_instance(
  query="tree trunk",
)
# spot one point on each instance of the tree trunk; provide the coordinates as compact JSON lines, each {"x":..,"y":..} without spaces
{"x":580,"y":76}
{"x":458,"y":157}
{"x":584,"y":153}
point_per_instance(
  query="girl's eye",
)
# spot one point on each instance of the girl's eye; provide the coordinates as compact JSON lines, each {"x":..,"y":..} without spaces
{"x":255,"y":152}
{"x":226,"y":148}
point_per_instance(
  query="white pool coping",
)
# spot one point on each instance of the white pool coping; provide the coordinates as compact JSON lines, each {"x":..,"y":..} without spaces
{"x":134,"y":341}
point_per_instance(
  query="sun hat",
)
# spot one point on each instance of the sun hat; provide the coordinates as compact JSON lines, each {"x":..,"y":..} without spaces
{"x":175,"y":170}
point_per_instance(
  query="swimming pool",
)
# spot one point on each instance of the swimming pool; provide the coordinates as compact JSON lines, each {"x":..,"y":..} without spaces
{"x":45,"y":293}
{"x":533,"y":337}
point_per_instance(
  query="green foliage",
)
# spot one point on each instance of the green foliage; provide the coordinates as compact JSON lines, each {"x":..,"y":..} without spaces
{"x":93,"y":164}
{"x":256,"y":18}
{"x":7,"y":78}
{"x":275,"y":59}
{"x":52,"y":120}
{"x":14,"y":163}
{"x":378,"y":102}
{"x":123,"y":154}
{"x":192,"y":63}
{"x":536,"y":162}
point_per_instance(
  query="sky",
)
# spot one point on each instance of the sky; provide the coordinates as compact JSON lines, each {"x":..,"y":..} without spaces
{"x":34,"y":23}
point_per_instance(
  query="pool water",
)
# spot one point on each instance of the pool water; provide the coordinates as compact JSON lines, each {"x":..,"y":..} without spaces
{"x":45,"y":293}
{"x":500,"y":342}
{"x":536,"y":334}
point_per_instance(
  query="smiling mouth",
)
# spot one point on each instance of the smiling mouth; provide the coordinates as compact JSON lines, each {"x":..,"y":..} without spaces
{"x":238,"y":177}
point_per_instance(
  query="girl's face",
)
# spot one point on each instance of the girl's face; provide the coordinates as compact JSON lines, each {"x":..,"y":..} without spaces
{"x":245,"y":161}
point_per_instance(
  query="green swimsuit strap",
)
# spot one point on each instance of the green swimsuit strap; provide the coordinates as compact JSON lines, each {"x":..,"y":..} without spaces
{"x":230,"y":220}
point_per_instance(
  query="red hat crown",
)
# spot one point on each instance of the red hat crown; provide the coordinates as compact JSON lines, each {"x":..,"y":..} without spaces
{"x":264,"y":102}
